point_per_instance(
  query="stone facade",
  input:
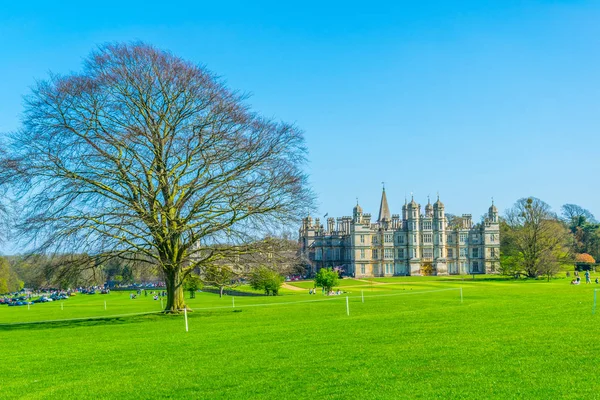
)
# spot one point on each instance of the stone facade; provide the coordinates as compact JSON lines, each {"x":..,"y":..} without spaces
{"x":416,"y":244}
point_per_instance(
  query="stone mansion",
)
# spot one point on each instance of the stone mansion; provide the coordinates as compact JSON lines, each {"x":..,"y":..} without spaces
{"x":417,"y":244}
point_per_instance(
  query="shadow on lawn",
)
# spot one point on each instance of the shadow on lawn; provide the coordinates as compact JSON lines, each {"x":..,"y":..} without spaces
{"x":92,"y":321}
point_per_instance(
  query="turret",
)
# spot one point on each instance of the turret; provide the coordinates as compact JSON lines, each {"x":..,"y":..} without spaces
{"x":357,"y":213}
{"x":428,"y":209}
{"x":493,"y":213}
{"x":438,"y":209}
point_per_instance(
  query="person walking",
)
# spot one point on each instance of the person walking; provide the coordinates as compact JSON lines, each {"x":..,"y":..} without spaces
{"x":587,"y":277}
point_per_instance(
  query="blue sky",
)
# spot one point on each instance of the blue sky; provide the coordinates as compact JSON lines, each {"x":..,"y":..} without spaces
{"x":473,"y":99}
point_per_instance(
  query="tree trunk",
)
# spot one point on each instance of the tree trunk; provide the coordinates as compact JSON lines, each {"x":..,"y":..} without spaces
{"x":175,"y":299}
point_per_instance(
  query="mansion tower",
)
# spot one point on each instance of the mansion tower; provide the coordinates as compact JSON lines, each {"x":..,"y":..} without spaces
{"x":416,"y":244}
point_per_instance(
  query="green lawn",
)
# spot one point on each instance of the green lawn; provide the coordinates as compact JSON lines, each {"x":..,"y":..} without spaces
{"x":512,"y":339}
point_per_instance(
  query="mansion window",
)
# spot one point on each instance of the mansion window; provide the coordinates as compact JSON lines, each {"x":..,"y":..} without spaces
{"x":492,"y":237}
{"x":318,"y":254}
{"x":475,"y":238}
{"x":427,"y":238}
{"x":375,"y":254}
{"x":450,"y":253}
{"x":463,"y":252}
{"x":401,"y":239}
{"x":475,"y":266}
{"x":427,"y":225}
{"x":362,"y":238}
{"x":362,"y":254}
{"x":389,"y":253}
{"x":493,"y":252}
{"x":389,"y":268}
{"x":389,"y":238}
{"x":400,"y":253}
{"x":463,"y":237}
{"x":362,"y":269}
{"x":427,"y":253}
{"x":475,"y":253}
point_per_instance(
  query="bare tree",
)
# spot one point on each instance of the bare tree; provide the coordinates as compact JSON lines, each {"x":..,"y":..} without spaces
{"x":536,"y":236}
{"x":575,"y":215}
{"x":146,"y":154}
{"x":220,"y":276}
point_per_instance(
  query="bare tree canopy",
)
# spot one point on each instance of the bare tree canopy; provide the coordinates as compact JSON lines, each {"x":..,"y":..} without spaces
{"x":145,"y":153}
{"x":534,"y":237}
{"x":576,"y":215}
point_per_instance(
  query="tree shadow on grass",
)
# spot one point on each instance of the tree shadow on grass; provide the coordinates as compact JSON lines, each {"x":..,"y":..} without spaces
{"x":83,"y":322}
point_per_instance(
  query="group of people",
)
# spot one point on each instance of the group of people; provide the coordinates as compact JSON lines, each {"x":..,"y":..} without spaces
{"x":155,"y":294}
{"x":588,"y":279}
{"x":330,"y":293}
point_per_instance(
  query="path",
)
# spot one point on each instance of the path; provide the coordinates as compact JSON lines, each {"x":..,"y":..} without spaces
{"x":290,"y":287}
{"x":369,"y":282}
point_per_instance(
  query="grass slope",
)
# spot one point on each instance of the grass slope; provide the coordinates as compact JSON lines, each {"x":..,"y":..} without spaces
{"x":507,"y":340}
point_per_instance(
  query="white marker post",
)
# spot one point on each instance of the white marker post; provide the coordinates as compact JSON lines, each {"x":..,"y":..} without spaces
{"x":461,"y":296}
{"x":104,"y":305}
{"x":161,"y":304}
{"x":362,"y":294}
{"x":347,"y":307}
{"x":185,"y":316}
{"x":232,"y":301}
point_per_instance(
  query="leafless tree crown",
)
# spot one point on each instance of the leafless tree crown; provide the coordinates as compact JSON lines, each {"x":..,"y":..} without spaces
{"x":145,"y":153}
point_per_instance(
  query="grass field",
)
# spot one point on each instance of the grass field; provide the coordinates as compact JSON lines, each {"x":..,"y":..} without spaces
{"x":409,"y":339}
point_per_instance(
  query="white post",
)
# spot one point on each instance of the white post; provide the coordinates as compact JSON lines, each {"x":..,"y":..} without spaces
{"x":347,"y":306}
{"x":461,"y":296}
{"x":185,"y":316}
{"x":362,"y":294}
{"x":104,"y":305}
{"x":161,"y":304}
{"x":233,"y":301}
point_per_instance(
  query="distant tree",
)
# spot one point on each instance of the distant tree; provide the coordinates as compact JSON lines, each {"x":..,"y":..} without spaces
{"x":143,"y":153}
{"x":9,"y":281}
{"x":326,"y":278}
{"x":532,"y":234}
{"x":549,"y":264}
{"x":219,"y":276}
{"x":427,"y":269}
{"x":584,"y":258}
{"x":267,"y":280}
{"x":192,"y":283}
{"x":575,"y":215}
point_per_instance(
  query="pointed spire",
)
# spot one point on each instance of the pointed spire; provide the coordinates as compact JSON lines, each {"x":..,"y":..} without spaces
{"x":384,"y":210}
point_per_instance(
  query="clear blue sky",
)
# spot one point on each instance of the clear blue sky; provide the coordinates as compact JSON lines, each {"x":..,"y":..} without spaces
{"x":473,"y":99}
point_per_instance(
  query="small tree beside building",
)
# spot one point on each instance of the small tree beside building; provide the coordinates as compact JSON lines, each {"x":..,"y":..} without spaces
{"x":267,"y":280}
{"x":326,"y":278}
